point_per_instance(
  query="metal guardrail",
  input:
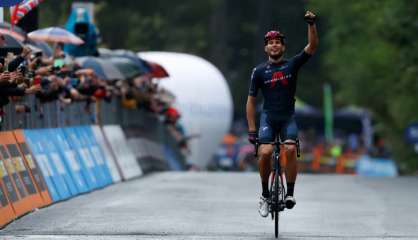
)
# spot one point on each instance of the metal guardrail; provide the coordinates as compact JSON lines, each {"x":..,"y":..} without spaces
{"x":135,"y":122}
{"x":46,"y":115}
{"x":56,"y":114}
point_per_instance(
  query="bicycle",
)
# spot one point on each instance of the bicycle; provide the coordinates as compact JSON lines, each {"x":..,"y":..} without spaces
{"x":277,"y":181}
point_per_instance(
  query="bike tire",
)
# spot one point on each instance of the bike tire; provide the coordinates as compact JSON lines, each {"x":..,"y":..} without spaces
{"x":276,"y":210}
{"x":276,"y":224}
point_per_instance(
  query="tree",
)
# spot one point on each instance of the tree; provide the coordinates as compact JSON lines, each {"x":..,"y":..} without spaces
{"x":371,"y":57}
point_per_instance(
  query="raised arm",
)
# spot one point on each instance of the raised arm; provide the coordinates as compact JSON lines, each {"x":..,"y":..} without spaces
{"x":313,"y":40}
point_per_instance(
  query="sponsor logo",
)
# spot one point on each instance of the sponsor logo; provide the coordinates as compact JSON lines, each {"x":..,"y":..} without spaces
{"x":278,"y":77}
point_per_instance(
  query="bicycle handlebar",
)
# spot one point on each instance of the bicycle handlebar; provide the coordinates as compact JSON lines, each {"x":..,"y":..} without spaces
{"x":257,"y":144}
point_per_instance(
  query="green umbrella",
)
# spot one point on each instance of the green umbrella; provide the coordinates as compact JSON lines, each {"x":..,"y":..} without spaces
{"x":126,"y":66}
{"x":102,"y":67}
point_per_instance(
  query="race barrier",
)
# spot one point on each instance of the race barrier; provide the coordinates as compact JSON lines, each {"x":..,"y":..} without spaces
{"x":8,"y":195}
{"x":39,"y":167}
{"x":33,"y":167}
{"x":108,"y":153}
{"x":376,"y":167}
{"x":87,"y":165}
{"x":79,"y":142}
{"x":127,"y":162}
{"x":45,"y":163}
{"x":6,"y":210}
{"x":69,"y":159}
{"x":145,"y":157}
{"x":52,"y":168}
{"x":154,"y":148}
{"x":25,"y":196}
{"x":96,"y":152}
{"x":57,"y":161}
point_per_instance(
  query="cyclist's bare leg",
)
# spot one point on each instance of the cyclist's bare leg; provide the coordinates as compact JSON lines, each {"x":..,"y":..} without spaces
{"x":291,"y":167}
{"x":264,"y":164}
{"x":292,"y":164}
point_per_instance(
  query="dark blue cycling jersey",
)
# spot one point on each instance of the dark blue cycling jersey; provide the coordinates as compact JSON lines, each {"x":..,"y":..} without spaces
{"x":277,"y":82}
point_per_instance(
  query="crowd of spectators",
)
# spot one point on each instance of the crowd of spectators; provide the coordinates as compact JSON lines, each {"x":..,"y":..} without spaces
{"x":237,"y":154}
{"x":61,"y":78}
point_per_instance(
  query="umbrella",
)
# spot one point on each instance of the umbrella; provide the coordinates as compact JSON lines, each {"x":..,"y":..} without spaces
{"x":33,"y":48}
{"x":46,"y":49}
{"x":127,"y":66}
{"x":17,"y":33}
{"x":9,"y":44}
{"x":157,"y":70}
{"x":103,"y":68}
{"x":55,"y":35}
{"x":146,"y":68}
{"x":140,"y":63}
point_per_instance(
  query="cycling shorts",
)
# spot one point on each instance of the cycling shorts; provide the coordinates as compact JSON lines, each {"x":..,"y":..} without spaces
{"x":269,"y":129}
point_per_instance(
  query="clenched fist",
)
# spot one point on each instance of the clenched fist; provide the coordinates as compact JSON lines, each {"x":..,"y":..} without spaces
{"x":310,"y":17}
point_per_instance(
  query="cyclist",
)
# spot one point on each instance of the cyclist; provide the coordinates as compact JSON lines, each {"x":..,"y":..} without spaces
{"x":276,"y":79}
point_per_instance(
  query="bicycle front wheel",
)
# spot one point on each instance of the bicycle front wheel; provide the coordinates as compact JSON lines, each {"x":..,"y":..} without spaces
{"x":276,"y":223}
{"x":276,"y":200}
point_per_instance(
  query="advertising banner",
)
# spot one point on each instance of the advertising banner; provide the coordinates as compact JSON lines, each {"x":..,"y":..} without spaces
{"x":126,"y":159}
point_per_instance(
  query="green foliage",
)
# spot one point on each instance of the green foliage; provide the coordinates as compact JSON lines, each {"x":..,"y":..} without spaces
{"x":371,"y":57}
{"x":154,"y":25}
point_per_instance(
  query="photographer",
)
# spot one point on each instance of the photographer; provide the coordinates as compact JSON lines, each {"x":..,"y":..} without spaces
{"x":17,"y":61}
{"x":11,"y":85}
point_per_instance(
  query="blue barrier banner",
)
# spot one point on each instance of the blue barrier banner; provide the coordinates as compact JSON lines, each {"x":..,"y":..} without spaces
{"x":56,"y":186}
{"x":86,"y":163}
{"x":89,"y":155}
{"x":98,"y":153}
{"x":56,"y":159}
{"x":376,"y":167}
{"x":69,"y":158}
{"x":111,"y":163}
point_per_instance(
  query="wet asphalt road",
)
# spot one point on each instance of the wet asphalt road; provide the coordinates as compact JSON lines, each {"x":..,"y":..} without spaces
{"x":224,"y":206}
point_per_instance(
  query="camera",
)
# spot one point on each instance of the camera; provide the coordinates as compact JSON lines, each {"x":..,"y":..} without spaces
{"x":81,"y":30}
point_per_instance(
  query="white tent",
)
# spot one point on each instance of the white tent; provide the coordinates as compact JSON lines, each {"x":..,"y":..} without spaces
{"x":202,"y":97}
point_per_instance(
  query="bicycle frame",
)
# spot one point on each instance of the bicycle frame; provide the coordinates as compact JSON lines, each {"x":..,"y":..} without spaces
{"x":277,"y":181}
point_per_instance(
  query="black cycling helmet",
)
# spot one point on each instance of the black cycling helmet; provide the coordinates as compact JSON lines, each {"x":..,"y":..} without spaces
{"x":273,"y":35}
